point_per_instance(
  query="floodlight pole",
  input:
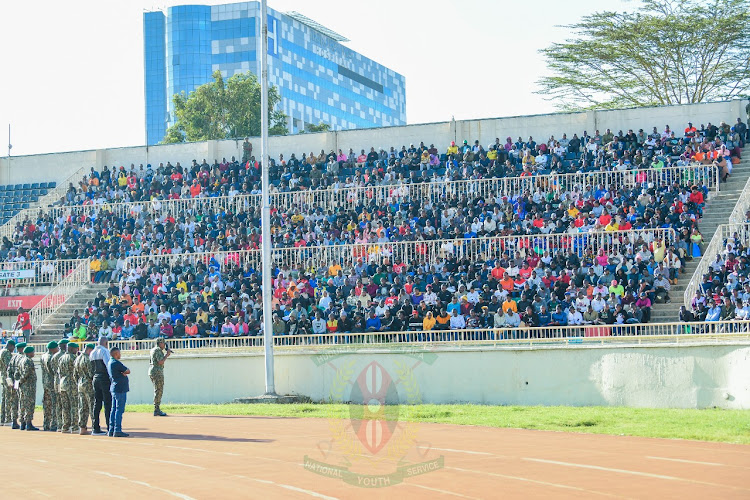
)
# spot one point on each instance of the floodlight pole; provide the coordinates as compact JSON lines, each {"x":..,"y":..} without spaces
{"x":266,"y":206}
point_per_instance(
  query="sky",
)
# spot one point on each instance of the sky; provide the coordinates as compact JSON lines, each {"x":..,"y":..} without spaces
{"x":71,"y":75}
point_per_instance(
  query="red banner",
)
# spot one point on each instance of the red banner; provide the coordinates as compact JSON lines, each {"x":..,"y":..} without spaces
{"x":25,"y":301}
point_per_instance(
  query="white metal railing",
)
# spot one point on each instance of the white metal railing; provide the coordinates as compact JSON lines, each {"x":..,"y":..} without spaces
{"x":742,"y":205}
{"x":77,"y":279}
{"x":45,"y":272}
{"x":740,"y":232}
{"x":559,"y":335}
{"x":53,"y":196}
{"x":413,"y":251}
{"x":432,"y":192}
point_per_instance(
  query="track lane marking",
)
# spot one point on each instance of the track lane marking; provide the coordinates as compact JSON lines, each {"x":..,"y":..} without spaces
{"x":179,"y":463}
{"x":535,"y":481}
{"x":466,"y":451}
{"x":631,"y":472}
{"x":289,"y":487}
{"x":437,"y":490}
{"x":145,"y":484}
{"x":681,"y":460}
{"x":204,"y":451}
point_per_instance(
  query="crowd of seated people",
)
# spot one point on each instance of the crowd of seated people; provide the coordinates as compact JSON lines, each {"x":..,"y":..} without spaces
{"x":628,"y":283}
{"x":710,"y":144}
{"x":724,"y":293}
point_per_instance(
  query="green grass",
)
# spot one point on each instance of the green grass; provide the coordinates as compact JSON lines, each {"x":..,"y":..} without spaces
{"x":729,"y":426}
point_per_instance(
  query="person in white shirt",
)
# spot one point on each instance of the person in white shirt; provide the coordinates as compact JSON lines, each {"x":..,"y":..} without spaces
{"x":430,"y":297}
{"x":574,"y":317}
{"x":598,"y":304}
{"x":457,"y":321}
{"x":512,"y":319}
{"x":325,"y":302}
{"x":473,"y":296}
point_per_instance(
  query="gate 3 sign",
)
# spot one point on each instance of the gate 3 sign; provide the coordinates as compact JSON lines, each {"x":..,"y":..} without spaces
{"x":373,"y":448}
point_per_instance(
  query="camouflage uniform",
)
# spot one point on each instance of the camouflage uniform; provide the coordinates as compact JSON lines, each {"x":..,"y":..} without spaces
{"x":67,"y":382}
{"x":49,"y":399}
{"x":84,"y":374}
{"x":27,"y":388}
{"x":156,"y":373}
{"x":13,"y":399}
{"x":5,"y":356}
{"x":54,"y":364}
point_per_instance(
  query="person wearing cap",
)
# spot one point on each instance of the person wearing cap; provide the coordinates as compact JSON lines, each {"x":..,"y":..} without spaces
{"x":65,"y":366}
{"x":48,"y":385}
{"x":84,"y":376}
{"x":156,"y":372}
{"x":13,"y":375}
{"x":5,"y":356}
{"x":54,"y":364}
{"x":27,"y":388}
{"x":118,"y":373}
{"x":101,"y":383}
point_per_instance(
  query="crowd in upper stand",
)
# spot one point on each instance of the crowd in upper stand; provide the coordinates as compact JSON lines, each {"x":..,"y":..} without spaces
{"x":610,"y":289}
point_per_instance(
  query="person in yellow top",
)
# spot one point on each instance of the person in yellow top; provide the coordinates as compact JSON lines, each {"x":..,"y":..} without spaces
{"x":573,"y":211}
{"x":492,"y":154}
{"x":659,"y":250}
{"x":96,"y":268}
{"x":181,"y":285}
{"x":452,"y":149}
{"x":201,"y":316}
{"x":509,"y":305}
{"x":612,"y":226}
{"x":334,"y":269}
{"x":297,"y":218}
{"x":428,"y":323}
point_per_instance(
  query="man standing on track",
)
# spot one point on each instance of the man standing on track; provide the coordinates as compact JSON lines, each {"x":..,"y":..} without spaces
{"x":5,"y":356}
{"x":118,"y":373}
{"x":13,"y":367}
{"x":156,"y":373}
{"x":84,"y":375}
{"x":48,"y":384}
{"x":54,"y":364}
{"x":99,"y":360}
{"x":27,"y":388}
{"x":65,"y":368}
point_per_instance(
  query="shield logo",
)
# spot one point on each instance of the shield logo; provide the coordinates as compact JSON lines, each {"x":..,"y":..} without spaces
{"x":375,"y":407}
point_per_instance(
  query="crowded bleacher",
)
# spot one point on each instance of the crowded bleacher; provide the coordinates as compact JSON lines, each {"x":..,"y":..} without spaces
{"x":656,"y":181}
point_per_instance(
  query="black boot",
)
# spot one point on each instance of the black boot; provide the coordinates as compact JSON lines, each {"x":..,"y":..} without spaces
{"x":23,"y":426}
{"x":15,"y":425}
{"x":30,"y":427}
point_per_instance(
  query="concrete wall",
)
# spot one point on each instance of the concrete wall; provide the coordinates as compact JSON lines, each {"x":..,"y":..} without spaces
{"x":59,"y":166}
{"x":645,"y":376}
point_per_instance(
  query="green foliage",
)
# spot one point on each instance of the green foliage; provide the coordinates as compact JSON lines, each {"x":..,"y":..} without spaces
{"x":666,"y":52}
{"x":730,"y":426}
{"x":224,"y":110}
{"x":320,"y":127}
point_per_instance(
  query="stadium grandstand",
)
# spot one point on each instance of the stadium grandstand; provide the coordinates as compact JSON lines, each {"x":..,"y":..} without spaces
{"x":587,"y":234}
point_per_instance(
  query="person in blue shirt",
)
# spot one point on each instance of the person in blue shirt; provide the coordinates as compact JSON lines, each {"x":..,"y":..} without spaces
{"x":545,"y":318}
{"x":118,"y":373}
{"x":714,"y":313}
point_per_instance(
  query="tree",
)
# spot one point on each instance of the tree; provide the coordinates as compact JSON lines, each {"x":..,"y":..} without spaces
{"x":667,"y":52}
{"x":224,"y":110}
{"x":320,"y":127}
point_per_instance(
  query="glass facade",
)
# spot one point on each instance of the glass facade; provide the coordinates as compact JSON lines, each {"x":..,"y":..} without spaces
{"x":319,"y":79}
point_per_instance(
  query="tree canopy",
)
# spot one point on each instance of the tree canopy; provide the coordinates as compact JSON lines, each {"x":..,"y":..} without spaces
{"x":666,"y":52}
{"x":311,"y":128}
{"x":224,"y":110}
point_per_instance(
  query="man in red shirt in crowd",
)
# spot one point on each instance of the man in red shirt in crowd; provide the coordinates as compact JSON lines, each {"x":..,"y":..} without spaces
{"x":23,"y":322}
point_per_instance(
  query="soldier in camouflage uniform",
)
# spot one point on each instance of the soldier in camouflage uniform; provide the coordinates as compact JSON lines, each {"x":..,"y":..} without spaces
{"x":5,"y":356}
{"x":27,"y":388}
{"x":156,"y":373}
{"x":13,"y":376}
{"x":84,"y":374}
{"x":54,"y":364}
{"x":65,"y":365}
{"x":48,"y":384}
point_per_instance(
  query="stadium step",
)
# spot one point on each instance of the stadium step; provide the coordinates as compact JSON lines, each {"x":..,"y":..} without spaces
{"x":53,"y":327}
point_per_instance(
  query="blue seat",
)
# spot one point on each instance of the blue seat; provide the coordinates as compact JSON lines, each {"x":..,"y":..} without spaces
{"x":42,"y":185}
{"x":24,"y":205}
{"x":52,"y":185}
{"x":27,"y":186}
{"x":2,"y":187}
{"x":570,"y":155}
{"x":35,"y":192}
{"x":43,"y":192}
{"x":35,"y":185}
{"x":18,"y":187}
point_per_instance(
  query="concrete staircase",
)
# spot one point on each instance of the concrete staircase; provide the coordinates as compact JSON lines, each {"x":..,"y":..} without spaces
{"x":718,"y":208}
{"x":54,"y":326}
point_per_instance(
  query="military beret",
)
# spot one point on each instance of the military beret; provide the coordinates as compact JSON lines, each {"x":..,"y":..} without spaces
{"x":89,"y":346}
{"x":20,"y":346}
{"x":62,"y":342}
{"x":11,"y":342}
{"x":72,"y":345}
{"x":28,"y":349}
{"x":52,"y":345}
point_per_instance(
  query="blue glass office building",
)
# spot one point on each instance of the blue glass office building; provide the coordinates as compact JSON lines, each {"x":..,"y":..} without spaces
{"x":319,"y":79}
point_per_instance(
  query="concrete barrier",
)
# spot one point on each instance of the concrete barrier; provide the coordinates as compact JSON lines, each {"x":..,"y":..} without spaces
{"x":692,"y":376}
